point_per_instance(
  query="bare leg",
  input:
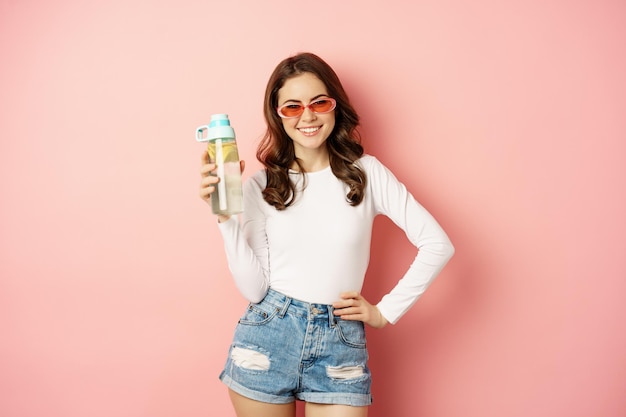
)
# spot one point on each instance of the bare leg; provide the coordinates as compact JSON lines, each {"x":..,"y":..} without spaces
{"x":334,"y":410}
{"x":245,"y":407}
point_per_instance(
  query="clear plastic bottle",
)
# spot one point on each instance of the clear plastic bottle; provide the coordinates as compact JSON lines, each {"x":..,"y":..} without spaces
{"x":228,"y":196}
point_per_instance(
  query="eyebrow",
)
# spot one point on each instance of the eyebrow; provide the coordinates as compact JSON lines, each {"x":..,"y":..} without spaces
{"x":310,"y":101}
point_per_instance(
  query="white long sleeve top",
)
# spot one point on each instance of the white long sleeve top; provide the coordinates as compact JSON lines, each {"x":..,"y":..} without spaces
{"x":319,"y":247}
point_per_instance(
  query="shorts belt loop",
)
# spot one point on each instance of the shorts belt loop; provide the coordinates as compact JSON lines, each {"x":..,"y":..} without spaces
{"x":332,"y":320}
{"x":283,"y":311}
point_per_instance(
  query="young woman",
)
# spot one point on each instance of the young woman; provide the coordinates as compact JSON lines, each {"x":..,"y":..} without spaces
{"x":301,"y":250}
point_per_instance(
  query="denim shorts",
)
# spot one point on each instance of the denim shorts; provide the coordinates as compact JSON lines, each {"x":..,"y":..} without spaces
{"x":285,"y":349}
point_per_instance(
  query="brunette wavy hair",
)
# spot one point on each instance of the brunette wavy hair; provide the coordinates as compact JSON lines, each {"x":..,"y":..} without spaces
{"x":276,"y":150}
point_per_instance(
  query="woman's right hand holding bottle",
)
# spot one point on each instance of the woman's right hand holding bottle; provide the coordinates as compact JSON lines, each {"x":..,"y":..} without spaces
{"x":210,"y":180}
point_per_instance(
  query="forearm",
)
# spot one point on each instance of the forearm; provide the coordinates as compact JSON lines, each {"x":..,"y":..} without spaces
{"x":428,"y":263}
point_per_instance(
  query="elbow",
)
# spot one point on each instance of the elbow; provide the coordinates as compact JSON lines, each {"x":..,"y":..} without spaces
{"x":255,"y":300}
{"x":439,"y":252}
{"x":254,"y":293}
{"x":254,"y":297}
{"x":450,"y":251}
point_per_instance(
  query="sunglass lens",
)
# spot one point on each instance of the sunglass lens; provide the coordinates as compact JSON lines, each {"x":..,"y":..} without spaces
{"x":292,"y":110}
{"x":322,"y":106}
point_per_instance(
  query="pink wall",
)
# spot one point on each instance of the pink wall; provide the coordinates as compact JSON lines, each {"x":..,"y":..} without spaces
{"x":506,"y":119}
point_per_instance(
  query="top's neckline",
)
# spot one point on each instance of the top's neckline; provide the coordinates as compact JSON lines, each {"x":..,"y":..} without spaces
{"x":327,"y":168}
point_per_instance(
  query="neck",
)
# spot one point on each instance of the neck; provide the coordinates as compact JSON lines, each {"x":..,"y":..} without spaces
{"x":312,"y":162}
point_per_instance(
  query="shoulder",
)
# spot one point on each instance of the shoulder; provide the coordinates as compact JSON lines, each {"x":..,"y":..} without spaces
{"x":378,"y":175}
{"x":370,"y":164}
{"x":367,"y":159}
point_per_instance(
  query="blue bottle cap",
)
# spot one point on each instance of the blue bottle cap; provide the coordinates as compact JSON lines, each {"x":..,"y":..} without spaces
{"x":218,"y":127}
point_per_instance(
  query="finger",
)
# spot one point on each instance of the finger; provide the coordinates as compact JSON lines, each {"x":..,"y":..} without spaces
{"x":206,"y":192}
{"x":353,"y":317}
{"x":350,"y":294}
{"x":348,"y":299}
{"x":206,"y":169}
{"x":242,"y":165}
{"x":209,"y":180}
{"x":205,"y":157}
{"x":347,"y":311}
{"x":351,"y":307}
{"x":343,"y":304}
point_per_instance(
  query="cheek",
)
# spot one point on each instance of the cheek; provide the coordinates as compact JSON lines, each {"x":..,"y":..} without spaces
{"x":331,"y":123}
{"x":289,"y":123}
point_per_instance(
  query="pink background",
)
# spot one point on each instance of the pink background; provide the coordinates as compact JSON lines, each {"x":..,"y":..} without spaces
{"x":505,"y":119}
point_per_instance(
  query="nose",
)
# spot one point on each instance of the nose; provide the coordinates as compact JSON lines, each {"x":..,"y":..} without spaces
{"x":308,"y":114}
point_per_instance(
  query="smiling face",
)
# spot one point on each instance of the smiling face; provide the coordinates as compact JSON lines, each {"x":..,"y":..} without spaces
{"x":310,"y":130}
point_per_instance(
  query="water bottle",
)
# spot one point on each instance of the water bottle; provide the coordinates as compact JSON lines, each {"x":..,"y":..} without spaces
{"x":227,"y":199}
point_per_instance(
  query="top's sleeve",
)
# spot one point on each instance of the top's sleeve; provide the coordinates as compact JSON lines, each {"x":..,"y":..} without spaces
{"x":246,"y":245}
{"x":392,"y":199}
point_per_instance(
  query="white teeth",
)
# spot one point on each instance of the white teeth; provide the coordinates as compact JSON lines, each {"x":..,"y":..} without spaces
{"x":309,"y":129}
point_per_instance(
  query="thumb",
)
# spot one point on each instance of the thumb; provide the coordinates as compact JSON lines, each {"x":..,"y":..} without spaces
{"x":242,"y":165}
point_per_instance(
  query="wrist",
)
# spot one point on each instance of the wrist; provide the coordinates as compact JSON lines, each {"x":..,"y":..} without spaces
{"x":382,"y":321}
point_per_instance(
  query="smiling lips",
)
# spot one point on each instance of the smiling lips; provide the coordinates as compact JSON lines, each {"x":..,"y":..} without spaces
{"x":309,"y":131}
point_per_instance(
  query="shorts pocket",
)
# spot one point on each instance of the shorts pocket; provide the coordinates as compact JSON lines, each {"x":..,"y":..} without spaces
{"x":258,"y":314}
{"x":351,"y":333}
